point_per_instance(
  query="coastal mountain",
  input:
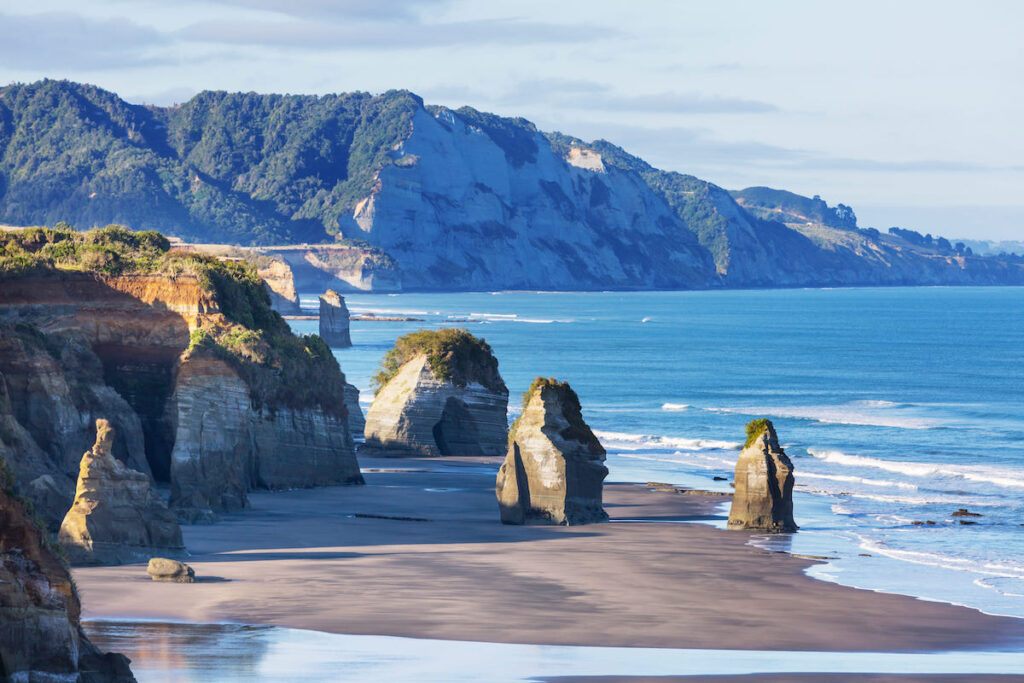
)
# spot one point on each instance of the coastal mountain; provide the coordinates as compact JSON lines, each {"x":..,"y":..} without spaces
{"x":431,"y":197}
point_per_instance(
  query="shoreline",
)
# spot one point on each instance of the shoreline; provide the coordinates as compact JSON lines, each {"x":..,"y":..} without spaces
{"x":303,"y":559}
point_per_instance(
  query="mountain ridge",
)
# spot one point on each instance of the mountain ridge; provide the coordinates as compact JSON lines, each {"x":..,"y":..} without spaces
{"x":461,"y":199}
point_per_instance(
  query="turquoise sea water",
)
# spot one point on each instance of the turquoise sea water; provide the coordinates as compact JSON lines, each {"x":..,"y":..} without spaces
{"x":896,"y":405}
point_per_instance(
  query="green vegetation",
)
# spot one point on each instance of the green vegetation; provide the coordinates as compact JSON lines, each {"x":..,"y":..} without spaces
{"x":787,"y":207}
{"x":755,"y":428}
{"x":453,"y":354}
{"x":280,"y":368}
{"x":235,"y":168}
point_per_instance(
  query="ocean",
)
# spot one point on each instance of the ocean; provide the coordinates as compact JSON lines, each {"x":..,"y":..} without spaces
{"x":897,"y":406}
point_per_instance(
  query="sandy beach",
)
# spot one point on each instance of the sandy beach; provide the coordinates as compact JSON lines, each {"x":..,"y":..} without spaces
{"x":334,"y":560}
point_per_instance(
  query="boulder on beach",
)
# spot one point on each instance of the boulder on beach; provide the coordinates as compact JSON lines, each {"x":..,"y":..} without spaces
{"x":166,"y":569}
{"x":554,"y":469}
{"x":334,"y":320}
{"x":763,"y":499}
{"x":439,"y":393}
{"x":117,"y":517}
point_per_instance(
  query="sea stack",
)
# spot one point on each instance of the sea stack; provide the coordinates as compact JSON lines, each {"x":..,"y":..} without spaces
{"x":117,"y":517}
{"x":554,"y":469}
{"x":763,"y":499}
{"x":438,"y":393}
{"x":334,"y":320}
{"x":41,"y":637}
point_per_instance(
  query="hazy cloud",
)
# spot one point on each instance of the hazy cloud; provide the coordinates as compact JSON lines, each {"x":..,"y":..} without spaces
{"x":391,"y":10}
{"x":369,"y":35}
{"x":64,"y":40}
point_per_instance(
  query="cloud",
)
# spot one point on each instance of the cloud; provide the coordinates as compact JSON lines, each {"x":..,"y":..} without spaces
{"x":164,"y":98}
{"x":391,"y":10}
{"x":319,"y":35}
{"x":63,"y":40}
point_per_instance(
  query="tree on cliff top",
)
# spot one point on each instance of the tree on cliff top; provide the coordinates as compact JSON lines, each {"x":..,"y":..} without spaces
{"x":453,"y":354}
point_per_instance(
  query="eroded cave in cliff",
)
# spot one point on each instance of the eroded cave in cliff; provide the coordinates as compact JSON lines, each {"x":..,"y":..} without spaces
{"x":144,"y":377}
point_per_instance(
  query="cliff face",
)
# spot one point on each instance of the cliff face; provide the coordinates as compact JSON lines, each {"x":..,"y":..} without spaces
{"x":78,"y":347}
{"x":41,"y":638}
{"x":281,"y":287}
{"x":334,"y":320}
{"x":763,"y":499}
{"x":457,"y":213}
{"x":416,"y":413}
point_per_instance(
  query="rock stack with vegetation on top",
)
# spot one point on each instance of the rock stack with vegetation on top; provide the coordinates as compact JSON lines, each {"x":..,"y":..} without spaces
{"x":439,"y":392}
{"x":763,"y":499}
{"x":41,"y":637}
{"x":334,"y":320}
{"x":554,"y":470}
{"x":117,"y":517}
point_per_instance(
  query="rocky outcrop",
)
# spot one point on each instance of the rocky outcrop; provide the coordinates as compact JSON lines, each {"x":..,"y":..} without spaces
{"x":763,"y":499}
{"x":417,"y":413}
{"x":225,"y":446}
{"x":117,"y":517}
{"x":356,"y":420}
{"x":41,"y":638}
{"x":554,"y":470}
{"x":211,"y":464}
{"x":76,"y":347}
{"x":334,"y":320}
{"x":280,"y":283}
{"x":166,"y":569}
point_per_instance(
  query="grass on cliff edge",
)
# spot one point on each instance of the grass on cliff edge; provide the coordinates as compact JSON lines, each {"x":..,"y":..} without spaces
{"x":281,"y":369}
{"x":754,"y":429}
{"x":453,"y":354}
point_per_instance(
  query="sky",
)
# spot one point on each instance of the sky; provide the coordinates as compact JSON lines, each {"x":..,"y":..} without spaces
{"x":910,"y":112}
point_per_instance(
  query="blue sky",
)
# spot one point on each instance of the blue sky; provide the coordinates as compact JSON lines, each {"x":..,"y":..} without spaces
{"x":911,"y":112}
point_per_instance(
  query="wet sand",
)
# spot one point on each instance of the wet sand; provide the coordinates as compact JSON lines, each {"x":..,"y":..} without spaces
{"x":308,"y":559}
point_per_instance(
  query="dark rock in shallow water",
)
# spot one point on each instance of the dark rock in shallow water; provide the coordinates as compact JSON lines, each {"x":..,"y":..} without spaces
{"x":763,"y":499}
{"x":554,"y":470}
{"x":964,"y":512}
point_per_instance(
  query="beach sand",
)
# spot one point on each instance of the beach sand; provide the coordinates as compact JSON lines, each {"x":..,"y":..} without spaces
{"x":304,"y":559}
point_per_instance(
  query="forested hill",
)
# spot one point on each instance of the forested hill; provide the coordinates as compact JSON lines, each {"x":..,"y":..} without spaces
{"x":460,"y":198}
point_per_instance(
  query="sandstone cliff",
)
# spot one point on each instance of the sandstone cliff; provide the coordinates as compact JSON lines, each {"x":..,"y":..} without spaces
{"x":553,"y":471}
{"x":117,"y":517}
{"x":763,"y":499}
{"x":439,"y":394}
{"x":334,"y":320}
{"x":133,"y":348}
{"x":41,"y":638}
{"x":280,"y":285}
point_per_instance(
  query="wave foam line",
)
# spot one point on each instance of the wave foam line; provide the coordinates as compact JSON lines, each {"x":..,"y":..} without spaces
{"x":1003,"y":477}
{"x":857,"y":414}
{"x":636,"y":442}
{"x":674,"y":407}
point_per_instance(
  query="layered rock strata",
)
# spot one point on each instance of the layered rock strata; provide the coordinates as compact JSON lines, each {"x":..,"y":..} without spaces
{"x":41,"y":637}
{"x":280,"y":284}
{"x":334,"y":320}
{"x":417,"y":413}
{"x":356,"y":419}
{"x":554,"y":469}
{"x":225,"y":446}
{"x":763,"y":499}
{"x":75,"y":347}
{"x":117,"y":517}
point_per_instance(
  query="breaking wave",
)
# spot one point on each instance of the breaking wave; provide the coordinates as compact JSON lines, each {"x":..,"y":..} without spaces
{"x":1000,"y":476}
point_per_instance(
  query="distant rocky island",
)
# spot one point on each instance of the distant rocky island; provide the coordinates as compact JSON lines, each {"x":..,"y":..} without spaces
{"x":385,"y":193}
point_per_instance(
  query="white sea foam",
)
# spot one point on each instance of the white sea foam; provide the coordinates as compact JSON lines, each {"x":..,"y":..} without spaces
{"x":1000,"y":476}
{"x":940,"y":560}
{"x":674,"y":407}
{"x":858,"y":480}
{"x":859,"y":413}
{"x":636,"y":442}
